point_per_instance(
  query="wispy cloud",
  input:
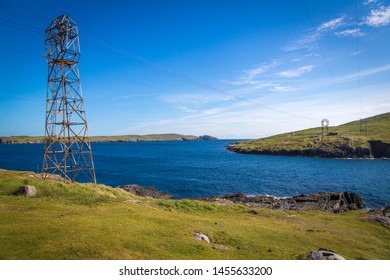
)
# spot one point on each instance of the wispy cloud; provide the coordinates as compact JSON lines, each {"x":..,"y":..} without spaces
{"x":307,"y":42}
{"x":133,"y":95}
{"x":350,"y":33}
{"x":186,"y":98}
{"x":249,"y":77}
{"x":282,"y":88}
{"x":378,"y":17}
{"x":187,"y":109}
{"x":293,"y":73}
{"x":193,"y":102}
{"x":355,"y":53}
{"x":312,"y":85}
{"x":243,"y":119}
{"x":364,"y":73}
{"x":262,"y":87}
{"x":366,"y":2}
{"x":331,"y":24}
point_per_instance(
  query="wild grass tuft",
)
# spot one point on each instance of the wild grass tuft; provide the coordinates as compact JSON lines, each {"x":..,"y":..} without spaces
{"x":52,"y":190}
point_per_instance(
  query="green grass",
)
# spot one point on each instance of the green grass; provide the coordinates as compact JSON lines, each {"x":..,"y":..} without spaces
{"x":353,"y":134}
{"x":84,"y":221}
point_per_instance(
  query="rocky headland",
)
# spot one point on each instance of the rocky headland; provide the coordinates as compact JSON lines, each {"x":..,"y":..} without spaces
{"x":366,"y":138}
{"x":377,"y":149}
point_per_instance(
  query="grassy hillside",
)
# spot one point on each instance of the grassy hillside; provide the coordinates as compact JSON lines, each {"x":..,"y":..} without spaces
{"x":355,"y":135}
{"x":85,"y":221}
{"x":121,"y":138}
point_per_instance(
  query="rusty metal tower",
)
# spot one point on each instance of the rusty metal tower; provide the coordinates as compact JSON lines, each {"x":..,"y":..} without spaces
{"x":325,"y":127}
{"x":67,"y":151}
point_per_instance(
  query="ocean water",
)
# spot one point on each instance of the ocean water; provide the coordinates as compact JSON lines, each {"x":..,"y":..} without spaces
{"x":192,"y":169}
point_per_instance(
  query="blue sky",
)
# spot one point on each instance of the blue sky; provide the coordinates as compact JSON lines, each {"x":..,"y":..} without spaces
{"x":232,"y":69}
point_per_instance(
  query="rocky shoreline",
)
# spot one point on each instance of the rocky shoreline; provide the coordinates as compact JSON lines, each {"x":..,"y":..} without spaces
{"x":336,"y":202}
{"x":144,"y":192}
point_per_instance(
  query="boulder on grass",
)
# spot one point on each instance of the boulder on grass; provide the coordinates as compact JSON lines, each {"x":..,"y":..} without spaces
{"x":28,"y":191}
{"x":324,"y":254}
{"x":202,"y":237}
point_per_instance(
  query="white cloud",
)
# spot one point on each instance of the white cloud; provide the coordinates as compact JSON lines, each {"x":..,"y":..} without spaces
{"x":292,"y":73}
{"x":331,"y":25}
{"x":282,"y":88}
{"x":379,"y":17}
{"x":350,"y":32}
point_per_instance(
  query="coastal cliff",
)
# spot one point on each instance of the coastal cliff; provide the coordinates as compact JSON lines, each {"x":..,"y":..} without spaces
{"x":378,"y":149}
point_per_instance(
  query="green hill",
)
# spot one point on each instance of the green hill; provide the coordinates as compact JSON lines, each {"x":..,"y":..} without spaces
{"x":368,"y":137}
{"x":120,"y":138}
{"x":86,"y":221}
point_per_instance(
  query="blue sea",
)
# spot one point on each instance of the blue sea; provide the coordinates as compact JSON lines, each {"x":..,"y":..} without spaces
{"x":191,"y":169}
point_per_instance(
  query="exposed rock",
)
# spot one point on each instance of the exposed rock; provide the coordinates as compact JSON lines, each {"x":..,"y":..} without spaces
{"x":133,"y":201}
{"x":223,"y":201}
{"x":51,"y":177}
{"x":335,"y":202}
{"x":324,"y":254}
{"x":28,"y":191}
{"x":145,"y":192}
{"x":219,"y":247}
{"x":380,"y":149}
{"x":202,"y":237}
{"x":381,"y":215}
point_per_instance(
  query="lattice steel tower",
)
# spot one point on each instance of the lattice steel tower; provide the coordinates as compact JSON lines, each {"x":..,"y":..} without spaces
{"x":67,"y":151}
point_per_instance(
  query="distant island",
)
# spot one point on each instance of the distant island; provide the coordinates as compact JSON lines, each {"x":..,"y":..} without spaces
{"x":121,"y":138}
{"x":366,"y":138}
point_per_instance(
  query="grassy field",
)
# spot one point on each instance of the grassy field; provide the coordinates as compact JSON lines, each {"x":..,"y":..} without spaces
{"x":124,"y":138}
{"x":85,"y":221}
{"x":354,"y":134}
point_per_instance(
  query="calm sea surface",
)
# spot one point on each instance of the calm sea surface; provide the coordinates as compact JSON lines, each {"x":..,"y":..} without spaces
{"x":203,"y":168}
